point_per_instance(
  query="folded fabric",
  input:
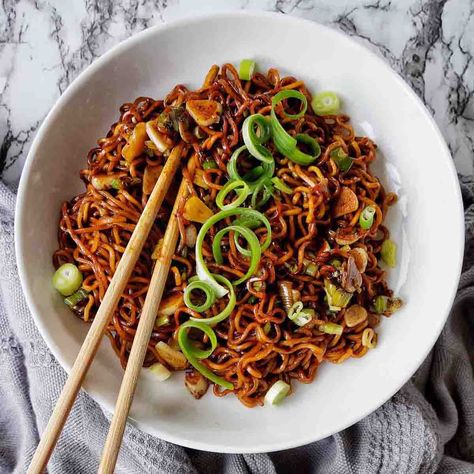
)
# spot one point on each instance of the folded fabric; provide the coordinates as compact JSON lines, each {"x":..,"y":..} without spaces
{"x":427,"y":426}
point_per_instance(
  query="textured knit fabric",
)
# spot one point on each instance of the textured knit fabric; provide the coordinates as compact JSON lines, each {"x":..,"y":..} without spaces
{"x":428,"y":426}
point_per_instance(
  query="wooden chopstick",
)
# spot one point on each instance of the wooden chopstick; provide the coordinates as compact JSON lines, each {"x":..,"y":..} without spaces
{"x":104,"y":313}
{"x":141,"y":339}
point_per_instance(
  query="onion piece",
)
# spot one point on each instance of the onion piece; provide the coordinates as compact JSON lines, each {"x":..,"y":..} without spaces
{"x":276,"y":393}
{"x":190,"y":235}
{"x":204,"y":112}
{"x":175,"y":359}
{"x":160,"y":371}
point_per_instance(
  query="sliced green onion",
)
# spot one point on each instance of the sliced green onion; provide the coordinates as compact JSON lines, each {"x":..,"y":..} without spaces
{"x":247,"y":221}
{"x":253,"y":174}
{"x":300,"y":157}
{"x":337,"y":298}
{"x":209,"y":164}
{"x":80,"y":295}
{"x":266,"y":190}
{"x":295,"y":309}
{"x":246,"y":69}
{"x":225,"y":313}
{"x":389,"y":253}
{"x":394,"y":304}
{"x":285,"y":143}
{"x":116,"y":184}
{"x":380,"y":304}
{"x":281,"y":186}
{"x":340,"y":299}
{"x":267,"y":170}
{"x":267,"y":327}
{"x":240,"y":187}
{"x":208,"y":291}
{"x":326,"y":103}
{"x":160,"y":371}
{"x":67,"y":279}
{"x":282,"y":139}
{"x":254,"y":140}
{"x":291,"y":94}
{"x":193,"y":354}
{"x":304,"y":316}
{"x":341,"y":158}
{"x":276,"y":393}
{"x":311,"y":269}
{"x":366,"y":218}
{"x":253,"y":242}
{"x":201,"y":269}
{"x":331,"y":328}
{"x":335,"y":263}
{"x":162,"y":320}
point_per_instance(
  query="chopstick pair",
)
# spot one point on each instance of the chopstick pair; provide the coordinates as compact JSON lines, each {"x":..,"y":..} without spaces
{"x":142,"y":336}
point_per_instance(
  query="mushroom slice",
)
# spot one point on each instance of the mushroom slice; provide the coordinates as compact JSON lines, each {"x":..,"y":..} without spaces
{"x":346,"y":203}
{"x":196,"y":383}
{"x":360,"y":257}
{"x":344,"y":238}
{"x":355,"y":315}
{"x":204,"y":112}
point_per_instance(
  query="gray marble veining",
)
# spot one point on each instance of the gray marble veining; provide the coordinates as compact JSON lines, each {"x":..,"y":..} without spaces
{"x":45,"y":44}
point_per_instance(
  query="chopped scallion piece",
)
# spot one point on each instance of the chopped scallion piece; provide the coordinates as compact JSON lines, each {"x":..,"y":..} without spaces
{"x":284,"y":142}
{"x":366,"y":218}
{"x":67,"y":279}
{"x":335,"y":263}
{"x":162,"y":320}
{"x":225,"y":313}
{"x":209,"y":164}
{"x":295,"y":309}
{"x":252,"y":300}
{"x":326,"y":103}
{"x":304,"y":316}
{"x":341,"y":158}
{"x":193,"y":353}
{"x":80,"y":295}
{"x":389,"y":253}
{"x":276,"y":393}
{"x":208,"y":291}
{"x":267,"y":327}
{"x":254,"y":178}
{"x":281,"y":186}
{"x":246,"y":69}
{"x":116,"y":184}
{"x":380,"y":304}
{"x":331,"y":328}
{"x":341,"y":298}
{"x":255,"y":250}
{"x":241,"y":188}
{"x":256,"y":132}
{"x":311,"y":269}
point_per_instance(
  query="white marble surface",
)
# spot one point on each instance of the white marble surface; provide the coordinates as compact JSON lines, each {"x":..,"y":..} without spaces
{"x":45,"y":44}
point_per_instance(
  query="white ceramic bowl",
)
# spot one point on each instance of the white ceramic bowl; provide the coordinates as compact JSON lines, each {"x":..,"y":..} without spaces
{"x":427,"y":223}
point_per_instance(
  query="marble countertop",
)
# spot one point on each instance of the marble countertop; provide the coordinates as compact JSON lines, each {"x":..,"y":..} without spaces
{"x":45,"y":44}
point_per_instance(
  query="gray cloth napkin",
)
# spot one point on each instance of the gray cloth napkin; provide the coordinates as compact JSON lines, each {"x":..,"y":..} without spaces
{"x":428,"y":426}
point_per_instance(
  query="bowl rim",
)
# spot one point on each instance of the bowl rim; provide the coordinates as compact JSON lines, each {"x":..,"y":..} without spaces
{"x":125,"y":44}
